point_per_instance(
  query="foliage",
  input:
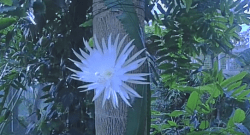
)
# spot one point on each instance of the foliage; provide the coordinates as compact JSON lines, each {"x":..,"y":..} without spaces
{"x":207,"y":27}
{"x":208,"y":106}
{"x":194,"y":100}
{"x":32,"y":54}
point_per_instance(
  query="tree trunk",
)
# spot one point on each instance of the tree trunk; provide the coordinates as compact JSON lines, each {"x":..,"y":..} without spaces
{"x":110,"y":121}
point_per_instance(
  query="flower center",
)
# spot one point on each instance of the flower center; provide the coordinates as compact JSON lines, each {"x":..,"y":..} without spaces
{"x":104,"y":77}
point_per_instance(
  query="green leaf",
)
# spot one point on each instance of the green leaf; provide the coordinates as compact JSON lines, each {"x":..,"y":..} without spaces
{"x":1,"y":119}
{"x":192,"y":102}
{"x":188,"y":4}
{"x":205,"y":108}
{"x":239,"y":90}
{"x":166,"y":66}
{"x":157,"y":29}
{"x":220,"y":76}
{"x":243,"y":94}
{"x":176,"y":113}
{"x":204,"y":124}
{"x":234,"y":85}
{"x":172,"y":123}
{"x":6,"y":22}
{"x":6,"y":2}
{"x":220,"y":89}
{"x":220,"y":19}
{"x":91,"y":42}
{"x":187,"y":89}
{"x":87,"y":23}
{"x":234,"y":79}
{"x":239,"y":116}
{"x":231,"y":18}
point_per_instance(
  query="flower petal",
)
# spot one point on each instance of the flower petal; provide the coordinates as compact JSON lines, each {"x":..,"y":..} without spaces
{"x":120,"y":45}
{"x":121,"y":60}
{"x":134,"y":65}
{"x":97,"y":44}
{"x":109,"y":42}
{"x":98,"y":92}
{"x":137,"y":82}
{"x":116,"y":42}
{"x":124,"y":97}
{"x":78,"y":64}
{"x":134,"y":56}
{"x":114,"y":98}
{"x":131,"y":90}
{"x":134,"y":77}
{"x":87,"y":46}
{"x":85,"y":55}
{"x":104,"y":46}
{"x":78,"y":55}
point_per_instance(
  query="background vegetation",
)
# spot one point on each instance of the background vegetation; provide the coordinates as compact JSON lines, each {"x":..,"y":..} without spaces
{"x":34,"y":52}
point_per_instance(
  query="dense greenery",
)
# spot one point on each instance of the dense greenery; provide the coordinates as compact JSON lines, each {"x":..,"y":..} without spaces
{"x":34,"y":54}
{"x":196,"y":101}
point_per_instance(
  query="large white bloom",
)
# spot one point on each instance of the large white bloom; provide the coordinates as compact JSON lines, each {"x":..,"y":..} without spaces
{"x":106,"y":69}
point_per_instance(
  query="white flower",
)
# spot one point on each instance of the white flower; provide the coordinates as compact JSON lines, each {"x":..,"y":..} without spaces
{"x":106,"y":69}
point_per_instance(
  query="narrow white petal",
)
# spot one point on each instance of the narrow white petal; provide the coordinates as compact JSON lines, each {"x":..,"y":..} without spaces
{"x":114,"y":98}
{"x":133,"y":57}
{"x":120,"y":44}
{"x":137,"y":82}
{"x":106,"y":95}
{"x":85,"y":55}
{"x":78,"y":55}
{"x":131,"y":90}
{"x":124,"y":96}
{"x":104,"y":46}
{"x":78,"y":64}
{"x":76,"y":78}
{"x":133,"y":77}
{"x":134,"y":65}
{"x":90,"y":86}
{"x":75,"y":71}
{"x":84,"y":90}
{"x":97,"y":44}
{"x":116,"y":41}
{"x":109,"y":42}
{"x":98,"y":92}
{"x":83,"y":86}
{"x":87,"y":46}
{"x":126,"y":47}
{"x":121,"y":60}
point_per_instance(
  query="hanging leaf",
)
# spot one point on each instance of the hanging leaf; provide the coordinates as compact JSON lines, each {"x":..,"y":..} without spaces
{"x":88,"y":23}
{"x":192,"y":102}
{"x":188,"y":4}
{"x":204,"y":124}
{"x":6,"y":2}
{"x":234,"y":79}
{"x":238,"y":117}
{"x":6,"y":22}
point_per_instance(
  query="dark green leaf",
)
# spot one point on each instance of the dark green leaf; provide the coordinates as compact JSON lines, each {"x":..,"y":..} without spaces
{"x":233,"y":79}
{"x":87,"y":23}
{"x":6,"y":2}
{"x":6,"y":22}
{"x":204,"y":124}
{"x":192,"y":102}
{"x":188,"y":4}
{"x":166,"y":66}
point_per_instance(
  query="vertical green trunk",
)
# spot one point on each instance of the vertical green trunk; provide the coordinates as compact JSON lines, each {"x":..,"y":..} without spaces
{"x":123,"y":17}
